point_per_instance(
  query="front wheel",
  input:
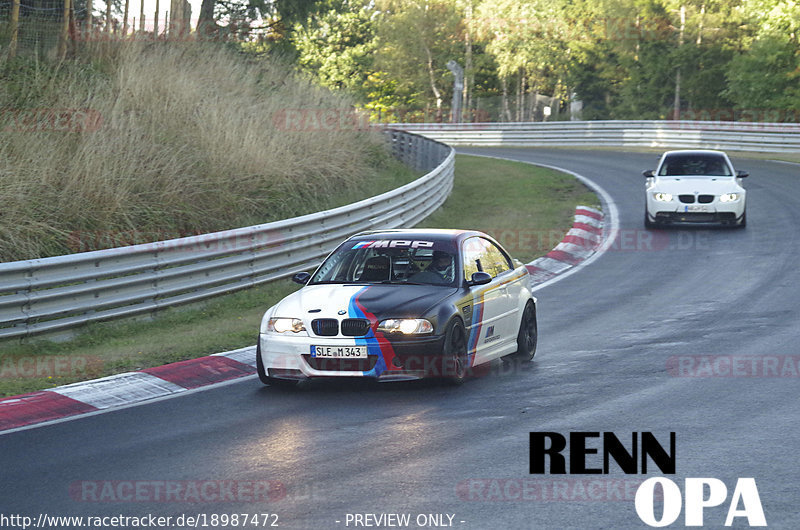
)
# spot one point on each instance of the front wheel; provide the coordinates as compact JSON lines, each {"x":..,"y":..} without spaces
{"x":648,"y":223}
{"x":743,"y":222}
{"x":527,"y":337}
{"x":454,"y":359}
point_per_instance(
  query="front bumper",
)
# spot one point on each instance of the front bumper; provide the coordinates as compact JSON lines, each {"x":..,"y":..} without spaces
{"x":677,"y":212}
{"x":289,"y":357}
{"x":697,"y":217}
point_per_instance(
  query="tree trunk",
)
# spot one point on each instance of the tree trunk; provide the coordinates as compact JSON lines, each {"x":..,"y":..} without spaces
{"x":12,"y":45}
{"x":64,"y":34}
{"x":506,"y":112}
{"x":469,"y":77}
{"x":155,"y":23}
{"x":436,"y":92}
{"x":699,"y":40}
{"x":125,"y":19}
{"x":677,"y":103}
{"x":206,"y":25}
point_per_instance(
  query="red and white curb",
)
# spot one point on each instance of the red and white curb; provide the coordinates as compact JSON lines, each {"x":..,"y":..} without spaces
{"x":581,"y":242}
{"x":124,"y":389}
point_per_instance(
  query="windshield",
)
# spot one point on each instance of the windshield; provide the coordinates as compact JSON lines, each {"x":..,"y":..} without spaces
{"x":694,"y":164}
{"x":374,"y":261}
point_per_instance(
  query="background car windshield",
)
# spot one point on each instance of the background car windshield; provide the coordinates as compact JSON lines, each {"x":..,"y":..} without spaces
{"x":424,"y":265}
{"x":696,"y":164}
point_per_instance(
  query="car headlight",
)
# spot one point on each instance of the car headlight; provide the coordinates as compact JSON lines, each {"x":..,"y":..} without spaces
{"x":406,"y":326}
{"x":285,"y":325}
{"x":662,"y":197}
{"x":729,"y":197}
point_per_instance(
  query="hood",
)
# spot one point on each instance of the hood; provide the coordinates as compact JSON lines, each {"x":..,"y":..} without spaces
{"x":701,"y":185}
{"x":383,"y":301}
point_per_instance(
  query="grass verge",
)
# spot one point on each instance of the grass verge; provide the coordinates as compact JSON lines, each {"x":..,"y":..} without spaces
{"x":528,"y":209}
{"x":525,"y":207}
{"x":161,"y":140}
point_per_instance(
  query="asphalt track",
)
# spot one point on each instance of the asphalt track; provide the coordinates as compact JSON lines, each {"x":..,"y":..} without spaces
{"x":607,"y":334}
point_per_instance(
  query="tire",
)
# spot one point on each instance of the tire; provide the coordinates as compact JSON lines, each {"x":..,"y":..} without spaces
{"x":454,"y":358}
{"x":743,"y":222}
{"x":527,"y":337}
{"x":267,"y":380}
{"x":648,"y":224}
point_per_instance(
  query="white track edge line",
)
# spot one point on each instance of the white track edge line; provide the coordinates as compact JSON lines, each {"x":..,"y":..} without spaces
{"x":609,"y":232}
{"x":127,"y":405}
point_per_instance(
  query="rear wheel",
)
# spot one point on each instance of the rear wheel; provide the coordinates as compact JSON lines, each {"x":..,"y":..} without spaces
{"x":267,"y":380}
{"x":454,"y":359}
{"x":527,"y":337}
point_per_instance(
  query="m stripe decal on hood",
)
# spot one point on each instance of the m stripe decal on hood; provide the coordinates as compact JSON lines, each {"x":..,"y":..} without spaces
{"x":376,"y":343}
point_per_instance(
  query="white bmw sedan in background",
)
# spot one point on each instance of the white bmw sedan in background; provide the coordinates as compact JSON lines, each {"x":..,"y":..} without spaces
{"x":694,"y":186}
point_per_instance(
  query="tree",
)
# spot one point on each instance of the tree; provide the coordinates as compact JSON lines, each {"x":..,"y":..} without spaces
{"x":338,"y":47}
{"x":765,"y":73}
{"x":416,"y":39}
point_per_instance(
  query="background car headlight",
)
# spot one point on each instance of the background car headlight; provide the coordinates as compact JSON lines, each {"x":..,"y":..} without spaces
{"x":406,"y":326}
{"x":662,"y":197}
{"x":728,"y":197}
{"x":284,"y":325}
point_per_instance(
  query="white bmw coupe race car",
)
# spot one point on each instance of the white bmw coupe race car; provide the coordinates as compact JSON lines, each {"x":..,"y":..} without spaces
{"x":401,"y":304}
{"x":695,"y":186}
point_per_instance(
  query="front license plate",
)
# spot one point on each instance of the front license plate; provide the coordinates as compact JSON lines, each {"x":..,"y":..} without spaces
{"x":697,"y":208}
{"x":339,"y":352}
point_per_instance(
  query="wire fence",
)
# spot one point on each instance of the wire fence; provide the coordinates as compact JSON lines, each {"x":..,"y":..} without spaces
{"x":35,"y":26}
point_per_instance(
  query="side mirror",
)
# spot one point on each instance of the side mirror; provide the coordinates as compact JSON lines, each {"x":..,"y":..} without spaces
{"x":742,"y":174}
{"x":301,"y":278}
{"x":479,"y":278}
{"x":648,"y":173}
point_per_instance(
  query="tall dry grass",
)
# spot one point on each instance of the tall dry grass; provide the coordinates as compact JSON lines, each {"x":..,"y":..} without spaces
{"x":188,"y":144}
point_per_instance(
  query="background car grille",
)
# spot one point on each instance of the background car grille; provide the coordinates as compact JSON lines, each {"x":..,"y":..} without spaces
{"x":325,"y":327}
{"x":686,"y":199}
{"x":342,"y":365}
{"x":705,"y":199}
{"x":355,"y":327}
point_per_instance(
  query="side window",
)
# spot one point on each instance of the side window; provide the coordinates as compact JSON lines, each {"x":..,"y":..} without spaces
{"x":472,"y":256}
{"x":483,"y":255}
{"x":494,"y":261}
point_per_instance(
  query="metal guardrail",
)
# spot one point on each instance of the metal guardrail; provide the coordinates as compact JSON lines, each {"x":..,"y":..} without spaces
{"x":731,"y":136}
{"x":61,"y":292}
